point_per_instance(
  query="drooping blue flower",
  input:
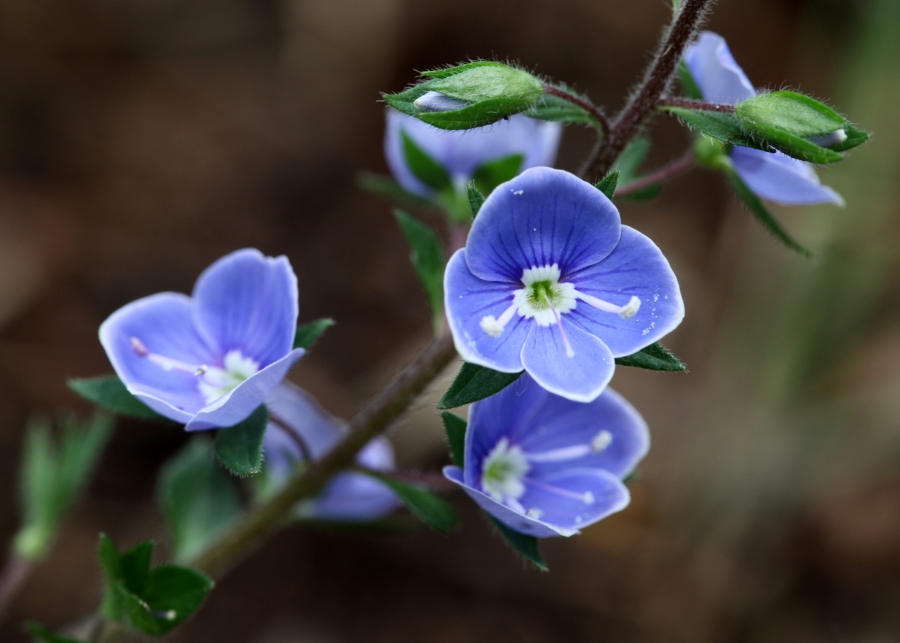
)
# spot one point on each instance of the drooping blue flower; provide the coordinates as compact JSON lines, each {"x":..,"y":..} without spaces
{"x":546,"y":466}
{"x":297,"y":419}
{"x":773,"y":176}
{"x":460,"y":153}
{"x":552,"y":283}
{"x":210,"y":359}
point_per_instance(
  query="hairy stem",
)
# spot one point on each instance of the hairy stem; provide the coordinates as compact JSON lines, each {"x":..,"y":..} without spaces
{"x":687,"y":103}
{"x":656,"y":81}
{"x":584,"y":104}
{"x":665,"y":173}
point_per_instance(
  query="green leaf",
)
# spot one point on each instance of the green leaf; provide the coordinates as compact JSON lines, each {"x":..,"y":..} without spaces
{"x":423,"y":167}
{"x":688,"y":83}
{"x":718,"y":125}
{"x":173,"y":593}
{"x":476,"y":199}
{"x":308,"y":334}
{"x":629,"y":161}
{"x":428,"y":507}
{"x":762,"y":214}
{"x":108,"y":555}
{"x":644,"y":194}
{"x":428,"y":261}
{"x":526,"y":546}
{"x":654,"y":357}
{"x":456,"y":435}
{"x":608,"y":183}
{"x":855,"y":138}
{"x":491,"y":174}
{"x":239,"y":447}
{"x":134,"y":567}
{"x":198,"y":500}
{"x":475,"y":383}
{"x":109,"y":392}
{"x":387,"y":188}
{"x":452,"y":70}
{"x":553,"y":108}
{"x":41,"y":633}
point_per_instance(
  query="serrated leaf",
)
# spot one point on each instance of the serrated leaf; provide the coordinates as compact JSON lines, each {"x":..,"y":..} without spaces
{"x":488,"y":176}
{"x":41,"y":633}
{"x":558,"y":110}
{"x":198,"y":499}
{"x":654,"y":357}
{"x":239,"y":447}
{"x":688,"y":84}
{"x":762,"y":214}
{"x":526,"y":546}
{"x":387,"y":188}
{"x":608,"y":183}
{"x":456,"y":436}
{"x":476,"y":199}
{"x":427,"y":506}
{"x":474,"y":383}
{"x":428,"y":261}
{"x":423,"y":166}
{"x":109,"y":392}
{"x":308,"y":334}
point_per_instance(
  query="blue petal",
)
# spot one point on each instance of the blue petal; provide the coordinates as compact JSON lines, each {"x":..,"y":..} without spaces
{"x":779,"y":178}
{"x":715,"y":71}
{"x":512,"y":519}
{"x":542,"y":217}
{"x":248,"y":302}
{"x":467,"y":300}
{"x":637,"y":268}
{"x":237,"y":405}
{"x":164,"y":324}
{"x":580,"y":378}
{"x":461,"y":153}
{"x":574,"y":498}
{"x":293,"y":409}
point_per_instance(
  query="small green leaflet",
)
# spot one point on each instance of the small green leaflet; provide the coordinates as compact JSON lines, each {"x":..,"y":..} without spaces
{"x":41,"y":633}
{"x":239,"y":447}
{"x":456,"y":435}
{"x":607,"y":184}
{"x":719,"y":125}
{"x":109,"y":392}
{"x":654,"y":357}
{"x":491,"y":174}
{"x":559,"y":110}
{"x":387,"y":188}
{"x":475,"y":383}
{"x":526,"y":546}
{"x":423,"y":167}
{"x":428,"y":507}
{"x":307,"y":334}
{"x":428,"y":260}
{"x":476,"y":199}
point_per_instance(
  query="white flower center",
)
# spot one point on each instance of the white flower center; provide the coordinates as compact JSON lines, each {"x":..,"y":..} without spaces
{"x":216,"y":382}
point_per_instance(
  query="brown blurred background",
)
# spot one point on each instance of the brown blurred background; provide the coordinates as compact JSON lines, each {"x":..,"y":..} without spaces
{"x":141,"y":140}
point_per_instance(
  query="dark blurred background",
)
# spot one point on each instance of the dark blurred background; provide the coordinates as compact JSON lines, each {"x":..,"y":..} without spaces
{"x":140,"y":140}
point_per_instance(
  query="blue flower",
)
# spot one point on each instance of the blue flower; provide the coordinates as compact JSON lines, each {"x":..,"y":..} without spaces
{"x":209,"y":360}
{"x":546,"y":466}
{"x":297,"y":419}
{"x":460,"y":153}
{"x":552,"y":283}
{"x":773,"y":176}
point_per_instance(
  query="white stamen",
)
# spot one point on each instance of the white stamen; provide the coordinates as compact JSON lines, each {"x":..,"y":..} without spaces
{"x":601,"y":441}
{"x":562,"y":331}
{"x":628,"y":310}
{"x":561,"y":455}
{"x":534,"y":513}
{"x":588,"y":497}
{"x":493,"y":326}
{"x":166,"y":363}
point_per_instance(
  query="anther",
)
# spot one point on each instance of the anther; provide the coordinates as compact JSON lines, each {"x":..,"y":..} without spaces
{"x":493,"y":326}
{"x":138,"y":347}
{"x":534,"y":513}
{"x":601,"y":441}
{"x":630,"y":309}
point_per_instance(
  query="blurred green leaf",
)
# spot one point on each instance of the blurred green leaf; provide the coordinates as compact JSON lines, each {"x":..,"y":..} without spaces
{"x":629,"y":161}
{"x":475,"y":383}
{"x":456,"y":435}
{"x":387,"y":188}
{"x":688,"y":84}
{"x":428,"y":260}
{"x":427,"y":506}
{"x":476,"y":199}
{"x":526,"y":546}
{"x":654,"y":357}
{"x":109,"y":392}
{"x":41,"y":633}
{"x":308,"y":334}
{"x":608,"y":183}
{"x":491,"y":174}
{"x":239,"y":447}
{"x":423,"y":167}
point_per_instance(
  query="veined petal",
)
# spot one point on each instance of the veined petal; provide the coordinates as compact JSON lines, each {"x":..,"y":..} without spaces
{"x":248,"y":302}
{"x":580,"y":378}
{"x":162,"y":323}
{"x":715,"y":71}
{"x":540,"y":218}
{"x":779,"y":178}
{"x":636,"y":268}
{"x":575,"y":498}
{"x":468,"y":300}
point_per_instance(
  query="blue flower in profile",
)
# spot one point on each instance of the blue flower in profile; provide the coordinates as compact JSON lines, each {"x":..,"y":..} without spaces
{"x":461,"y":153}
{"x":546,"y":466}
{"x":552,"y":283}
{"x":299,"y":425}
{"x":209,"y":360}
{"x":773,"y":176}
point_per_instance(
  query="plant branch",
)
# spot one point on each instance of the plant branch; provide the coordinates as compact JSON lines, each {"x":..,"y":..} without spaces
{"x":656,"y":80}
{"x":666,"y":173}
{"x":671,"y":101}
{"x":595,"y":112}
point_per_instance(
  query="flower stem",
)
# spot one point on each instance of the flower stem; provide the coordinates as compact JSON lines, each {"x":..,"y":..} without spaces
{"x":583,"y":103}
{"x":665,"y":173}
{"x":671,"y":101}
{"x":656,"y":80}
{"x":15,"y":573}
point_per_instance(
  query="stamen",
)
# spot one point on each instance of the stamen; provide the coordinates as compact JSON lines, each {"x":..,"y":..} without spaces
{"x":534,"y":513}
{"x":166,"y":363}
{"x":492,"y":326}
{"x":562,"y":331}
{"x":601,"y":441}
{"x":625,"y":312}
{"x":586,"y":497}
{"x":561,"y":455}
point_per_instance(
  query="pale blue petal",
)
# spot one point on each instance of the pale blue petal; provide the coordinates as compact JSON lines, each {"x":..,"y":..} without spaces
{"x":299,"y":412}
{"x":540,"y":218}
{"x":248,"y":302}
{"x":580,"y":378}
{"x":715,"y":71}
{"x":779,"y":178}
{"x":163,"y":323}
{"x":637,"y":268}
{"x":574,"y":498}
{"x":356,"y":496}
{"x":512,"y":519}
{"x":468,"y":300}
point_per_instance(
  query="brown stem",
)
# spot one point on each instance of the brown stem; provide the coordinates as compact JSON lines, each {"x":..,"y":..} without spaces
{"x":584,"y":104}
{"x":665,"y":173}
{"x":656,"y":81}
{"x":672,"y":101}
{"x":15,"y":573}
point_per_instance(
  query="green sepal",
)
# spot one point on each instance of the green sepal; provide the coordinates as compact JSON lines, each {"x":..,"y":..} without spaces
{"x":855,"y":138}
{"x":718,"y":125}
{"x":608,"y":183}
{"x":110,"y":393}
{"x":387,"y":188}
{"x":428,"y":261}
{"x":654,"y":357}
{"x":423,"y":167}
{"x":474,"y":383}
{"x":308,"y":334}
{"x":558,"y":110}
{"x":239,"y":447}
{"x":476,"y":199}
{"x":491,"y":174}
{"x":425,"y":505}
{"x":456,"y":436}
{"x":524,"y":545}
{"x":688,"y":83}
{"x":198,"y":499}
{"x":762,"y":214}
{"x":41,"y":633}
